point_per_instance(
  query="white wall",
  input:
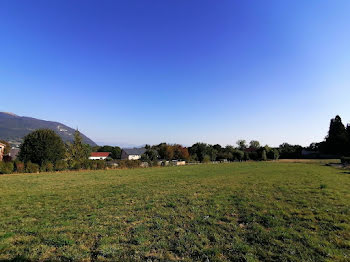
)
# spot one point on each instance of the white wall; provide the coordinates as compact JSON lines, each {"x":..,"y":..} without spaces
{"x":134,"y":157}
{"x":97,"y":158}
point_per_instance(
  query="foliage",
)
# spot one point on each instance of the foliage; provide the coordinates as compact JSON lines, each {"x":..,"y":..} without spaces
{"x":101,"y":164}
{"x":224,"y":212}
{"x":41,"y":146}
{"x":19,"y":167}
{"x":206,"y":159}
{"x":77,"y":151}
{"x":75,"y":165}
{"x":290,"y":151}
{"x":6,"y":167}
{"x":32,"y":167}
{"x":61,"y":165}
{"x":200,"y":150}
{"x":115,"y":151}
{"x":254,"y":144}
{"x":276,"y":154}
{"x":47,"y":167}
{"x":150,"y":155}
{"x":263,"y":155}
{"x":242,"y":144}
{"x":238,"y":155}
{"x":337,"y":141}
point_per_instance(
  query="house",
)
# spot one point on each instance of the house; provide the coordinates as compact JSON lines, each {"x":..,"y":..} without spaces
{"x":2,"y":150}
{"x":132,"y":153}
{"x":99,"y":155}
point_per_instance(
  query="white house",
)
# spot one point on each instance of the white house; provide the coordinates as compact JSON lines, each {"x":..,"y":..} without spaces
{"x":2,"y":150}
{"x":133,"y":153}
{"x":99,"y":155}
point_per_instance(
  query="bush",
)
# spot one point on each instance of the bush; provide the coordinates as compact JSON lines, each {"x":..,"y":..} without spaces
{"x":206,"y":159}
{"x":75,"y":165}
{"x":19,"y":167}
{"x":345,"y":160}
{"x":46,"y":167}
{"x":61,"y":165}
{"x":32,"y":167}
{"x":86,"y":164}
{"x":93,"y":164}
{"x":101,"y":164}
{"x":6,"y":167}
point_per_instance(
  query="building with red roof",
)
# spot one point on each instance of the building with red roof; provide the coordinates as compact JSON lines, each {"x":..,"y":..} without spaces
{"x":99,"y":155}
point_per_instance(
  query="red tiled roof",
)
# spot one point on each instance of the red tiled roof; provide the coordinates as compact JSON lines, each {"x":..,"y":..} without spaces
{"x":99,"y":154}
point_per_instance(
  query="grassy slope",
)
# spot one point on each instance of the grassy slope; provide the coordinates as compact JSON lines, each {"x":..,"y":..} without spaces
{"x":234,"y":212}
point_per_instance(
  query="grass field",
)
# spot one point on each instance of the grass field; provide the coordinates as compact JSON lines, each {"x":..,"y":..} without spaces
{"x":227,"y":212}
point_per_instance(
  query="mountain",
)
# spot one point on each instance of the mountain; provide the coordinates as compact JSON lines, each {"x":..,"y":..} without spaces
{"x":13,"y":128}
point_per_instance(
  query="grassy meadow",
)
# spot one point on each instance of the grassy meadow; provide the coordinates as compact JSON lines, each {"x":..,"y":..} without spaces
{"x":254,"y":211}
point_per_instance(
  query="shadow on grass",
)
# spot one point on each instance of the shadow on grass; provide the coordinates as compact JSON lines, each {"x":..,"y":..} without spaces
{"x":16,"y":259}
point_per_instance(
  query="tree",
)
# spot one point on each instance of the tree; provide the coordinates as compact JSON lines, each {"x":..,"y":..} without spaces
{"x":41,"y":146}
{"x":77,"y":151}
{"x":337,"y":139}
{"x":150,"y":155}
{"x":181,"y":152}
{"x":242,"y":144}
{"x":200,"y":150}
{"x":348,"y":135}
{"x":254,"y":144}
{"x":238,"y":154}
{"x":276,"y":154}
{"x":263,"y":156}
{"x":290,"y":151}
{"x":115,"y":151}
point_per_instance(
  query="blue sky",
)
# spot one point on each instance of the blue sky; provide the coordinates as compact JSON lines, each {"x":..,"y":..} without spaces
{"x":141,"y":72}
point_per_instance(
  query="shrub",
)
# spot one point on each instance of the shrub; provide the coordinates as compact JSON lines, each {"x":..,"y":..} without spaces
{"x":46,"y":167}
{"x":101,"y":164}
{"x":345,"y":160}
{"x":32,"y":167}
{"x":61,"y":165}
{"x":93,"y":164}
{"x":206,"y":159}
{"x":86,"y":164}
{"x":75,"y":165}
{"x":263,"y":156}
{"x":19,"y":167}
{"x":6,"y":167}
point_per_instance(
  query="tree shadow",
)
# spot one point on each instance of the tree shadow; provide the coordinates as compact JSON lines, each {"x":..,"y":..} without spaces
{"x":16,"y":259}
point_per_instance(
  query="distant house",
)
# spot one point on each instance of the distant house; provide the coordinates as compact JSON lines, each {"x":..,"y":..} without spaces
{"x":2,"y":150}
{"x":132,"y":153}
{"x":99,"y":155}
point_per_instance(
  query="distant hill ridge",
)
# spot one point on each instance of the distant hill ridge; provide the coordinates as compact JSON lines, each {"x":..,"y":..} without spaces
{"x":13,"y":128}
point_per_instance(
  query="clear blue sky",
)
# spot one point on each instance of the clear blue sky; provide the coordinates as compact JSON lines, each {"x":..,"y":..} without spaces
{"x":178,"y":71}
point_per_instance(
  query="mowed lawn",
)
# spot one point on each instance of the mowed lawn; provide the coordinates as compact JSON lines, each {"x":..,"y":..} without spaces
{"x":265,"y":211}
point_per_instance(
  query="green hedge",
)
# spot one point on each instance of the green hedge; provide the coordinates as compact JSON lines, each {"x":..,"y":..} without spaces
{"x":6,"y":167}
{"x":32,"y":167}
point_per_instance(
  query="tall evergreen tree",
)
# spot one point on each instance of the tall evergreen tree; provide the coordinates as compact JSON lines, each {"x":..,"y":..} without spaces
{"x":77,"y":151}
{"x":337,"y":139}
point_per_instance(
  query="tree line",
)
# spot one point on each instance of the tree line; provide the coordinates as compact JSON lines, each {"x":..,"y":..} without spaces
{"x":44,"y":150}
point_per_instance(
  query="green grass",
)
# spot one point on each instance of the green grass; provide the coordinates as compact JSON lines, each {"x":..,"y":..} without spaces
{"x":227,"y":212}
